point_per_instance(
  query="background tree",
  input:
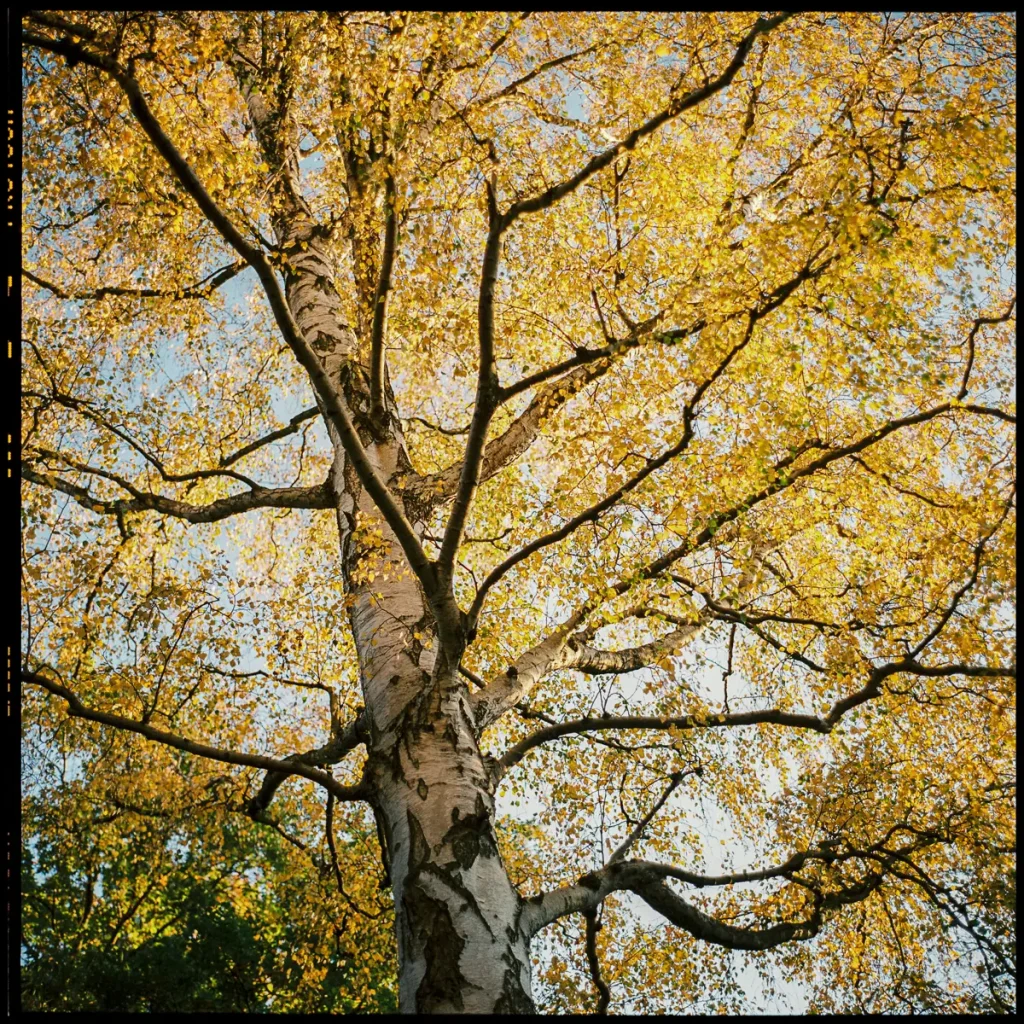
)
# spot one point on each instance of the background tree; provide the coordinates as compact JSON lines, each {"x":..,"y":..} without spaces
{"x":592,"y":435}
{"x":140,"y":897}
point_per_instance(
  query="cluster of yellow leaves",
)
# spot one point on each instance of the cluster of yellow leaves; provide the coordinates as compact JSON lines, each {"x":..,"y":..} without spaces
{"x":885,"y":170}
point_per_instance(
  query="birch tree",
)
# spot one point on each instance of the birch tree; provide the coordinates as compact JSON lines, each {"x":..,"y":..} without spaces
{"x":567,"y":461}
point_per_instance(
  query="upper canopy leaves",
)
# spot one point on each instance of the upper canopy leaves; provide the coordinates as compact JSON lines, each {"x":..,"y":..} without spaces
{"x":694,"y":333}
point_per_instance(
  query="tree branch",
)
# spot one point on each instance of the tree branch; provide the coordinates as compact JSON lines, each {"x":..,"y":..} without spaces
{"x":502,"y":693}
{"x":76,"y":709}
{"x":584,"y":356}
{"x":201,"y":290}
{"x":512,"y":87}
{"x":979,"y":550}
{"x":591,"y":514}
{"x":978,"y":323}
{"x":345,"y":739}
{"x":486,"y":400}
{"x":54,"y":21}
{"x":378,"y":330}
{"x":318,"y":496}
{"x":333,"y":850}
{"x":550,"y":654}
{"x":450,"y":431}
{"x":782,"y":481}
{"x":434,"y":488}
{"x":604,"y":993}
{"x":770,"y":716}
{"x":590,"y":660}
{"x":84,"y":409}
{"x":563,"y":649}
{"x":488,"y":393}
{"x":675,"y":107}
{"x":275,"y":435}
{"x":647,"y":880}
{"x":624,"y":848}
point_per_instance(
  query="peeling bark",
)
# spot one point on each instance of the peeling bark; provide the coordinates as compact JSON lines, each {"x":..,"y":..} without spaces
{"x":461,"y":946}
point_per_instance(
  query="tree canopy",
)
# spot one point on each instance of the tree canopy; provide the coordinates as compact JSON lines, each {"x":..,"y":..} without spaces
{"x":518,"y":511}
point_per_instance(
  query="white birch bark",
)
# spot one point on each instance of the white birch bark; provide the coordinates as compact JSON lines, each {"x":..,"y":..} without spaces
{"x":457,"y":914}
{"x":461,"y":947}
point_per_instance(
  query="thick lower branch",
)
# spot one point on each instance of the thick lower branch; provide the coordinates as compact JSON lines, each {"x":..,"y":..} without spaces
{"x":649,"y":881}
{"x":504,"y":692}
{"x":592,"y":661}
{"x":564,"y":649}
{"x":76,"y":709}
{"x":317,"y":496}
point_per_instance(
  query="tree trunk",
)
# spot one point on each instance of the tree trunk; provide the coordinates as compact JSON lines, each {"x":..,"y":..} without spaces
{"x":457,"y":913}
{"x":460,"y":945}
